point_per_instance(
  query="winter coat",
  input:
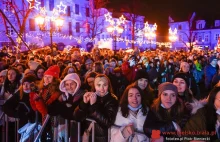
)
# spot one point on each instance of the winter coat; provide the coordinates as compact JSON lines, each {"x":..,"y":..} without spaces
{"x":129,"y":72}
{"x":15,"y":107}
{"x":199,"y":123}
{"x":164,"y":121}
{"x":103,"y":112}
{"x":209,"y":72}
{"x":121,"y":122}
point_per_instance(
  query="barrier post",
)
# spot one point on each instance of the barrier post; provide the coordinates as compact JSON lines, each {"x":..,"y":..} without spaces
{"x":79,"y":131}
{"x":66,"y":130}
{"x":42,"y":128}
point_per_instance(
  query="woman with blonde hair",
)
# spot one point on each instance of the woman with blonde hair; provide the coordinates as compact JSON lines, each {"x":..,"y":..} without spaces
{"x":100,"y":105}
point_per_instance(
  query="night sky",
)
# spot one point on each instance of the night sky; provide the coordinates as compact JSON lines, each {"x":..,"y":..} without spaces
{"x":180,"y":10}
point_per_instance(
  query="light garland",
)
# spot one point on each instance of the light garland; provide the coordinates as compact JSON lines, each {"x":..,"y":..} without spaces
{"x":86,"y":40}
{"x":34,"y":4}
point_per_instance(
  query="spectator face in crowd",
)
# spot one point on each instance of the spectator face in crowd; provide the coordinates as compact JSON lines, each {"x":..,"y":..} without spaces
{"x":40,"y":73}
{"x":47,"y":79}
{"x":134,"y":97}
{"x":142,"y":83}
{"x":70,"y":86}
{"x":11,"y":75}
{"x":78,"y":65}
{"x":3,"y":76}
{"x":113,"y":63}
{"x":71,"y":70}
{"x":20,"y":69}
{"x":185,"y":67}
{"x":119,"y":63}
{"x":26,"y":87}
{"x":214,"y":62}
{"x":168,"y":98}
{"x":88,"y":64}
{"x":101,"y":85}
{"x":180,"y":84}
{"x":90,"y":81}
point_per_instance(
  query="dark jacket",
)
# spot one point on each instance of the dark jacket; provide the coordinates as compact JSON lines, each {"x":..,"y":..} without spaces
{"x":103,"y":112}
{"x":14,"y":107}
{"x":209,"y":72}
{"x":66,"y":108}
{"x":163,"y":121}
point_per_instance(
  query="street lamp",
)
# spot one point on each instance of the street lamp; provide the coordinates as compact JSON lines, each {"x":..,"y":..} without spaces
{"x":115,"y":28}
{"x":172,"y":35}
{"x":149,"y":31}
{"x":41,"y":22}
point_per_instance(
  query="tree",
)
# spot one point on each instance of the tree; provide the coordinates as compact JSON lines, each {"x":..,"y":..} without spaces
{"x":132,"y":11}
{"x":94,"y":22}
{"x":17,"y":12}
{"x":190,"y":34}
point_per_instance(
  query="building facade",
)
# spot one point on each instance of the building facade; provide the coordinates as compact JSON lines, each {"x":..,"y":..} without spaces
{"x":83,"y":24}
{"x":195,"y":32}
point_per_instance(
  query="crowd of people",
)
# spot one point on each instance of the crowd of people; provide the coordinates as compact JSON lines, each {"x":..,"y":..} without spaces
{"x":138,"y":96}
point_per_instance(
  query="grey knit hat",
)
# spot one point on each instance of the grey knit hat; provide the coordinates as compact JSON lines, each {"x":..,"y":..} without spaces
{"x":167,"y":86}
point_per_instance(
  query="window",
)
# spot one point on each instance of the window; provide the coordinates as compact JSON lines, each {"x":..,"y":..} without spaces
{"x":206,"y":38}
{"x":180,"y":38}
{"x":200,"y":38}
{"x":51,"y":5}
{"x":10,"y":31}
{"x":200,"y":26}
{"x":87,"y":28}
{"x":68,"y":11}
{"x":70,"y":28}
{"x":77,"y":27}
{"x":179,"y":27}
{"x":76,"y":9}
{"x":216,"y":36}
{"x":31,"y":24}
{"x":87,"y":12}
{"x":42,"y":3}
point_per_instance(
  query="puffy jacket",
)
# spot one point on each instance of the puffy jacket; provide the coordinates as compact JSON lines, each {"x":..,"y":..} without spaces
{"x":103,"y":112}
{"x":121,"y":122}
{"x":209,"y":72}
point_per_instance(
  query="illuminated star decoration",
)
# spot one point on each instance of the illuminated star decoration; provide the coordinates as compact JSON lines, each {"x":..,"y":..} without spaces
{"x":108,"y":17}
{"x":121,"y":20}
{"x":43,"y":10}
{"x":33,"y":4}
{"x":62,"y":8}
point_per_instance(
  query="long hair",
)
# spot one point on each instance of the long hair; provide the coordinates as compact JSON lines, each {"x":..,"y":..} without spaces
{"x":16,"y":81}
{"x":65,"y":71}
{"x":124,"y":101}
{"x":177,"y":109}
{"x":210,"y":108}
{"x":110,"y":90}
{"x":53,"y":86}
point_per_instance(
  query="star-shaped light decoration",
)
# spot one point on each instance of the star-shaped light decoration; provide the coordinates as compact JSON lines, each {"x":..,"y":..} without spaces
{"x":34,"y":4}
{"x":62,"y":8}
{"x":108,"y":17}
{"x":43,"y":10}
{"x":121,"y":20}
{"x":18,"y":40}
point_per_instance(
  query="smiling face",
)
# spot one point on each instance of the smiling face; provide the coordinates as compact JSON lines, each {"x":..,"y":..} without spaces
{"x":101,"y":85}
{"x":26,"y":87}
{"x":168,"y":98}
{"x":11,"y":75}
{"x":70,"y":86}
{"x":48,"y":79}
{"x":134,"y":97}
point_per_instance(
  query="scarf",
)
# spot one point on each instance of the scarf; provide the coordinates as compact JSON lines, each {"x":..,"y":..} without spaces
{"x":136,"y":108}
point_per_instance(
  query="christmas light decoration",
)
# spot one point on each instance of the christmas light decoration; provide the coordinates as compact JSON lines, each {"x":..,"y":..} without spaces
{"x":34,"y":4}
{"x":108,"y":17}
{"x":43,"y":10}
{"x":62,"y":8}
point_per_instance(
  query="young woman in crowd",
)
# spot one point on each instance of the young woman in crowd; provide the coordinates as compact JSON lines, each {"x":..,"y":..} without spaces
{"x":100,"y":105}
{"x":142,"y":81}
{"x":68,"y":70}
{"x":39,"y":72}
{"x":64,"y":108}
{"x":207,"y":118}
{"x":89,"y":81}
{"x":18,"y":106}
{"x":48,"y":93}
{"x":167,"y":113}
{"x":98,"y":67}
{"x":130,"y":117}
{"x":12,"y":83}
{"x":180,"y":80}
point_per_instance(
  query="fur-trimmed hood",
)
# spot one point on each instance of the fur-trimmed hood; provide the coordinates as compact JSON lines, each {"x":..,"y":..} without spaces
{"x":75,"y":78}
{"x":197,"y":104}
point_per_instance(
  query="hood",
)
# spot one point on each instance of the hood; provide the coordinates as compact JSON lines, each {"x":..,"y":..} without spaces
{"x":75,"y":78}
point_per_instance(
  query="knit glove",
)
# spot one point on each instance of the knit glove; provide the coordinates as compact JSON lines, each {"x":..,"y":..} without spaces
{"x":31,"y":100}
{"x":41,"y":107}
{"x":53,"y":97}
